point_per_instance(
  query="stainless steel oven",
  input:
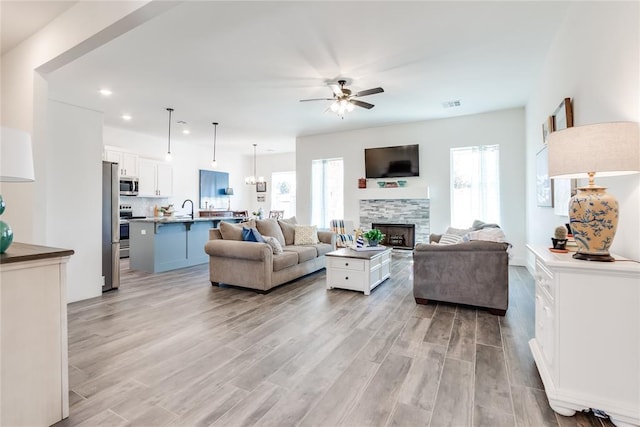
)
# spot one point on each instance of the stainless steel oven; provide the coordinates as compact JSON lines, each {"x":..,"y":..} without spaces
{"x":125,"y":215}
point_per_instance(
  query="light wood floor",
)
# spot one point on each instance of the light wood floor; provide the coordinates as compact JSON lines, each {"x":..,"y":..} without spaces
{"x":170,"y":349}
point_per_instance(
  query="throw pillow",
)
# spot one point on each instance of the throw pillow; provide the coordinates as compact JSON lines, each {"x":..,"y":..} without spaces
{"x":275,"y":245}
{"x":457,"y":231}
{"x":479,"y":225}
{"x":288,"y":231}
{"x":306,"y":235}
{"x":231,"y":231}
{"x":270,"y":227}
{"x":251,"y":235}
{"x":450,"y":239}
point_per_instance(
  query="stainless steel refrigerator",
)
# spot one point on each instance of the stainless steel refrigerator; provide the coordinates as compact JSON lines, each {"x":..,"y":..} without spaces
{"x":110,"y":226}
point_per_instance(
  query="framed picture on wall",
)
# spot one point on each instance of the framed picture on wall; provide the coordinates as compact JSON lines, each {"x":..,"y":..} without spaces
{"x":544,"y":185}
{"x":563,"y":188}
{"x":547,"y":128}
{"x":563,"y":116}
{"x":261,"y":187}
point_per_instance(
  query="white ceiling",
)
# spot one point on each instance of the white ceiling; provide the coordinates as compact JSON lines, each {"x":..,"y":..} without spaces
{"x":246,"y":65}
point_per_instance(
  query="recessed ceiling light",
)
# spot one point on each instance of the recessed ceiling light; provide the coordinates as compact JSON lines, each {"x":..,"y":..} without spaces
{"x":105,"y":92}
{"x":186,"y":131}
{"x":126,"y":117}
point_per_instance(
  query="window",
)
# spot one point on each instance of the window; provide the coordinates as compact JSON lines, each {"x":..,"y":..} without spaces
{"x":284,"y":193}
{"x":475,"y":185}
{"x":327,"y":187}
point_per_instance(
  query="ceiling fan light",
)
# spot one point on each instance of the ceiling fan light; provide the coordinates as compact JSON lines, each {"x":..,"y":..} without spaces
{"x":350,"y":107}
{"x":334,"y":107}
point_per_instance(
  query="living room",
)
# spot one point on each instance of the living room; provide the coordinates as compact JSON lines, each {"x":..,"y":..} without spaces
{"x":593,"y":60}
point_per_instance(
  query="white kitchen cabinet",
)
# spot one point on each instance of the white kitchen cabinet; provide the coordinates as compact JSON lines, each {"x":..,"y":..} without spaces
{"x":128,"y":162}
{"x":155,"y":179}
{"x":587,"y":334}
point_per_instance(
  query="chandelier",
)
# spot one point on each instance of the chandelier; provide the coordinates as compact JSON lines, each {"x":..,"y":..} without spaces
{"x":252,"y":180}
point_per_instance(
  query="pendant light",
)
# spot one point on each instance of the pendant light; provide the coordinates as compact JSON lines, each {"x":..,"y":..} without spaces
{"x":214,"y":163}
{"x":251,"y":180}
{"x":170,"y":110}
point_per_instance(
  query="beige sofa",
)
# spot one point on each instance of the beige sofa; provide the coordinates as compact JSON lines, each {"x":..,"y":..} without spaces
{"x":255,"y":265}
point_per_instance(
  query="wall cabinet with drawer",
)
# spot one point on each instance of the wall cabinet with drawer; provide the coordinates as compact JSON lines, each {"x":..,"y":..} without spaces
{"x":587,"y":334}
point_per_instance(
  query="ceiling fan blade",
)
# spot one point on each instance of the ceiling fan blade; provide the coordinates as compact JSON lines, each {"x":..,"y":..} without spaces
{"x":369,"y":91}
{"x":317,"y":99}
{"x":337,"y":90}
{"x":361,"y":104}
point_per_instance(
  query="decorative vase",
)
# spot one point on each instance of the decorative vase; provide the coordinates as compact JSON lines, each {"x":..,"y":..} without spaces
{"x":593,"y":216}
{"x":373,"y":242}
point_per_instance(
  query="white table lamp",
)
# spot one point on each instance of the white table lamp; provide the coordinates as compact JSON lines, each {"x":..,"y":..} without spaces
{"x":607,"y":149}
{"x":16,"y":165}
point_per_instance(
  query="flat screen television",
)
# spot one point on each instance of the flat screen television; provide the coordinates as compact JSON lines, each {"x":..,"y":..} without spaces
{"x":392,"y":162}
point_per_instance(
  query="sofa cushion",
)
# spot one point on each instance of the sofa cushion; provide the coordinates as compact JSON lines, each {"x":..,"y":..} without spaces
{"x":230,"y":231}
{"x":291,"y":220}
{"x":252,"y":235}
{"x":305,"y":253}
{"x":323,"y":248}
{"x":288,"y":231}
{"x":284,"y":260}
{"x":306,"y":235}
{"x":270,"y":227}
{"x":275,"y":245}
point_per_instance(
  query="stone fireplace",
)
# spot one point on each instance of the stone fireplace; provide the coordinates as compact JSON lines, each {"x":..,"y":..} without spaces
{"x":397,"y":212}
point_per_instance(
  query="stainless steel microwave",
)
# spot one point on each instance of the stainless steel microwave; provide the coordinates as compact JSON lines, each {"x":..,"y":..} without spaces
{"x":128,"y":186}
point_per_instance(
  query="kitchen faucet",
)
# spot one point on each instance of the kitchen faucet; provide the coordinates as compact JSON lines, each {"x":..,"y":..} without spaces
{"x":185,"y":202}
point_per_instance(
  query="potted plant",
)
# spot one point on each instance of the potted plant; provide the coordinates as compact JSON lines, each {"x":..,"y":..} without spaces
{"x":374,"y":236}
{"x":559,"y":238}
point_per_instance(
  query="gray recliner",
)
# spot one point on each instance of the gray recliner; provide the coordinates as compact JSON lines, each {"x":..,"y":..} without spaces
{"x":474,"y":273}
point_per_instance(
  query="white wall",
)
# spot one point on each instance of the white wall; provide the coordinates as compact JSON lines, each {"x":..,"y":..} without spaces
{"x":73,"y":194}
{"x":435,"y":138}
{"x":267,"y":164}
{"x":595,"y":61}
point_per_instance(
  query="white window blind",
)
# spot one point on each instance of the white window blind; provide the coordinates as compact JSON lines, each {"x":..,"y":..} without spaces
{"x":475,"y":185}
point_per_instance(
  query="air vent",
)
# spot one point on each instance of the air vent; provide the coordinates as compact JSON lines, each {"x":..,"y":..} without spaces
{"x":451,"y":104}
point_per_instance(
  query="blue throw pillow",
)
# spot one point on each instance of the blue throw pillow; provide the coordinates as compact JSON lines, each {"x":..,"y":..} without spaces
{"x":251,"y":235}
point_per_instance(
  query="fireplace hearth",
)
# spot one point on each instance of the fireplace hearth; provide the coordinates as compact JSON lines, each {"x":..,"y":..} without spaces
{"x":398,"y":236}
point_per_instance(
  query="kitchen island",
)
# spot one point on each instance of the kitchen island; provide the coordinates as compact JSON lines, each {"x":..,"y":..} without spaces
{"x":167,"y":243}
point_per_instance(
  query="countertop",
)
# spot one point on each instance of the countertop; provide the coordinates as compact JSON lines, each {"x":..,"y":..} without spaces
{"x":20,"y":252}
{"x":169,"y":219}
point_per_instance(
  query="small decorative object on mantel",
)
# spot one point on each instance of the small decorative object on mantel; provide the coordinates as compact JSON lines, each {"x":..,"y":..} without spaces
{"x":559,"y":239}
{"x":390,"y":184}
{"x":362,"y":183}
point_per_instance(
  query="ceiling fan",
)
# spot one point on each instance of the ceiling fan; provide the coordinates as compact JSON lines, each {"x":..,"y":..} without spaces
{"x":344,"y":100}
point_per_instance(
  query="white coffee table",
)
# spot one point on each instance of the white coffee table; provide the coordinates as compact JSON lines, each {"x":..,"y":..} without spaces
{"x":358,"y":271}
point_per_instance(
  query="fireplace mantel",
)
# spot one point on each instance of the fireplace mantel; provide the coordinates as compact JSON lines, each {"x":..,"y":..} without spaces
{"x":377,"y":193}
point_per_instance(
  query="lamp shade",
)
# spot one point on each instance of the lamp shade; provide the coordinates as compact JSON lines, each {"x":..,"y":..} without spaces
{"x":16,"y":158}
{"x":228,"y":191}
{"x":606,"y":148}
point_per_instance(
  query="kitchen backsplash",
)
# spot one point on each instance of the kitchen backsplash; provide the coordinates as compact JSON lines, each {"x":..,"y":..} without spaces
{"x":143,"y":206}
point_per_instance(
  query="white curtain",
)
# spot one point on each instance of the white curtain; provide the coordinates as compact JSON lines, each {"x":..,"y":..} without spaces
{"x":475,"y":185}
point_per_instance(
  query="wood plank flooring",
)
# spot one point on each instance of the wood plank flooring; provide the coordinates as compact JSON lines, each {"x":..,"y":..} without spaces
{"x":171,"y":350}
